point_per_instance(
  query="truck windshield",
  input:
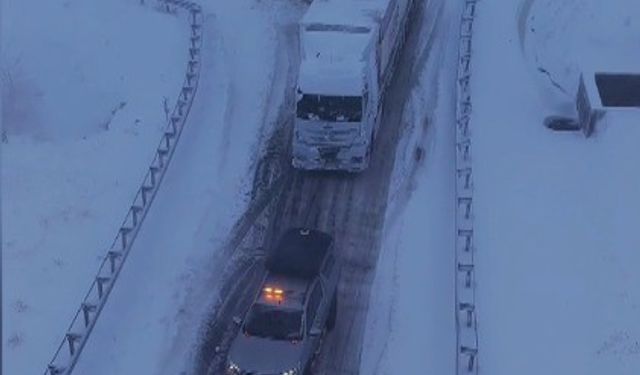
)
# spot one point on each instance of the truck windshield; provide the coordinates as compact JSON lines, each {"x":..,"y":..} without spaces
{"x":330,"y":108}
{"x":275,"y":323}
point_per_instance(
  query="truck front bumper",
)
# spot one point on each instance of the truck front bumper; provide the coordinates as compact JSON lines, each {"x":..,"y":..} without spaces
{"x":352,"y":158}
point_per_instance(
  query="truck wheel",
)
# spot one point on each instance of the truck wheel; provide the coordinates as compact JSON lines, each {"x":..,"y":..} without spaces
{"x":333,"y":312}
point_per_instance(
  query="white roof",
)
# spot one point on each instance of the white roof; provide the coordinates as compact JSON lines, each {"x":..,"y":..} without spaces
{"x":333,"y":63}
{"x":335,"y":35}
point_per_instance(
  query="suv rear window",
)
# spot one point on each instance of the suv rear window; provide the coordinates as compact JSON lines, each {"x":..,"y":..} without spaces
{"x":274,"y":322}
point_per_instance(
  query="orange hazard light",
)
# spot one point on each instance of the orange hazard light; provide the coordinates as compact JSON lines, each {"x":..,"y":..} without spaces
{"x":272,"y":293}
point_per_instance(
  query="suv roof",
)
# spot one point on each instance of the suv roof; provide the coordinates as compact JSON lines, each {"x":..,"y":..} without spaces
{"x":299,"y":253}
{"x":294,"y":291}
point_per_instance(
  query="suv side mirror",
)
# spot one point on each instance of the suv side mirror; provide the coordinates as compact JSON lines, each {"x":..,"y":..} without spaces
{"x":314,"y":331}
{"x":237,"y":321}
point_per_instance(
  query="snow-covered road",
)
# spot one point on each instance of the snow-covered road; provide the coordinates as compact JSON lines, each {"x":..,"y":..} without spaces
{"x":354,"y":210}
{"x":410,"y":323}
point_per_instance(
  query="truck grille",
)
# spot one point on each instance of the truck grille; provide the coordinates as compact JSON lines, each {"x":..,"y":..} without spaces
{"x":333,"y":137}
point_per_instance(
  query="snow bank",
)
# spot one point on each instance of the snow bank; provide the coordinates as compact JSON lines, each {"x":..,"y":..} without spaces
{"x":554,"y":213}
{"x":410,"y":324}
{"x":83,"y":112}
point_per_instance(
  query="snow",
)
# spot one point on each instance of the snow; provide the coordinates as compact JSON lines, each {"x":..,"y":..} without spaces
{"x":73,"y":153}
{"x":333,"y":63}
{"x":336,"y":37}
{"x":67,"y":184}
{"x":554,"y":212}
{"x":410,"y":324}
{"x":152,"y":321}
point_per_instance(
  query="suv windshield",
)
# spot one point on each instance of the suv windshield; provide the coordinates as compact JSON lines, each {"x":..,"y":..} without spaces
{"x":330,"y":108}
{"x":275,"y":323}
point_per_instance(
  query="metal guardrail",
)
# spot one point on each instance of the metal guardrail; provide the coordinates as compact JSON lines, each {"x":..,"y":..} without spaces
{"x":86,"y":315}
{"x":465,"y":291}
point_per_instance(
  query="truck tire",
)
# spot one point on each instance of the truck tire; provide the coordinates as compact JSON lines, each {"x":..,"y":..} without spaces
{"x":333,"y":312}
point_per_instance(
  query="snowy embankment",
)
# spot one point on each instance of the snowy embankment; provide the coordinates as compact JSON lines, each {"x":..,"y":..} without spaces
{"x":410,"y":324}
{"x":83,"y":110}
{"x":555,"y":213}
{"x":150,"y":325}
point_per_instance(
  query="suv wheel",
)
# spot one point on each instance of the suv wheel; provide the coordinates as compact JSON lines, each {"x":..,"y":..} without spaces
{"x":333,"y":312}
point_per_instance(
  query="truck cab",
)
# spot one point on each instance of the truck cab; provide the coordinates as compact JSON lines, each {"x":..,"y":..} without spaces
{"x":336,"y":92}
{"x":348,"y":50}
{"x":329,"y":133}
{"x":296,"y":303}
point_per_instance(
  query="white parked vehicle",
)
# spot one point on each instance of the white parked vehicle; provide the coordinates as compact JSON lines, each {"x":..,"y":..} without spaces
{"x":349,"y":50}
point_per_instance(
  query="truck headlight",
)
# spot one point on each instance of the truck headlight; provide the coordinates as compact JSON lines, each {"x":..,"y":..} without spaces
{"x":293,"y":371}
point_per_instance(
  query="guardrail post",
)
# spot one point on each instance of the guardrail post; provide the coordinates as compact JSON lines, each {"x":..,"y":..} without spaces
{"x":468,"y":270}
{"x":467,"y":234}
{"x":87,"y":308}
{"x":101,"y":280}
{"x":71,"y":339}
{"x":465,"y":204}
{"x":466,"y":324}
{"x":192,"y":66}
{"x":145,"y":192}
{"x":469,"y":309}
{"x":135,"y":211}
{"x":186,"y":91}
{"x":123,"y":236}
{"x":471,"y":354}
{"x":113,"y":256}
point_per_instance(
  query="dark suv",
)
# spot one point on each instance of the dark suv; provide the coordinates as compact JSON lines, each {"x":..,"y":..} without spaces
{"x":282,"y":330}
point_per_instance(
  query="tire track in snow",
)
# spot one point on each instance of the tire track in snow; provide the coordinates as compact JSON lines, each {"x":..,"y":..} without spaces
{"x":272,"y":175}
{"x":360,"y":234}
{"x":352,"y":208}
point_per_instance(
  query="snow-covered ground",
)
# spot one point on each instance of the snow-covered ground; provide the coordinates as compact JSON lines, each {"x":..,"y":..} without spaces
{"x":80,"y":133}
{"x":410,"y":324}
{"x":151,"y":323}
{"x":82,"y":114}
{"x":555,"y":213}
{"x":83,"y":109}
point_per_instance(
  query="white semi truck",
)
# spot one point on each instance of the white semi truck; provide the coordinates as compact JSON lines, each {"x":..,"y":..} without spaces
{"x":349,"y":49}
